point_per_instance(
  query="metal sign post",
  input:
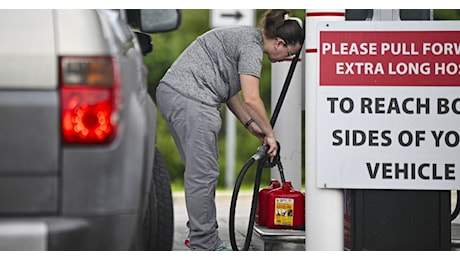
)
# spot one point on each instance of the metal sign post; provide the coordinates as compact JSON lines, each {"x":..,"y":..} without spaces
{"x":324,"y":207}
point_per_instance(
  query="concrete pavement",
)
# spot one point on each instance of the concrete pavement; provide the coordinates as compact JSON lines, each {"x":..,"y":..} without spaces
{"x":223,"y":199}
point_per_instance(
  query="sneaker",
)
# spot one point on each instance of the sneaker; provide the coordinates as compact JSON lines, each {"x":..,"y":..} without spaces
{"x":223,"y":247}
{"x":187,"y":242}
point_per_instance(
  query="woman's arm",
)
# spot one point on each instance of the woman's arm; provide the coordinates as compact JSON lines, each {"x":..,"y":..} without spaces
{"x":256,"y":109}
{"x":240,"y":111}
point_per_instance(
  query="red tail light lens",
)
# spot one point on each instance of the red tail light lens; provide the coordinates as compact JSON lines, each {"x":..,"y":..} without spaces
{"x":89,"y":100}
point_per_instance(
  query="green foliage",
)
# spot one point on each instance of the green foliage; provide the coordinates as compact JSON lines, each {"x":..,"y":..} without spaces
{"x":446,"y":14}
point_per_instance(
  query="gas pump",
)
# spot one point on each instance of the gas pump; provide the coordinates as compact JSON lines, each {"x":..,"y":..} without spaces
{"x":396,"y":219}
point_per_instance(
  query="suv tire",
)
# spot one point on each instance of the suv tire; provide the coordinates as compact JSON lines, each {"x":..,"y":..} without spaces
{"x":159,"y":221}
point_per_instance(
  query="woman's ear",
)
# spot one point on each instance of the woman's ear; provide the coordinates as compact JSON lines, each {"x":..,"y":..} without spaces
{"x":279,"y":41}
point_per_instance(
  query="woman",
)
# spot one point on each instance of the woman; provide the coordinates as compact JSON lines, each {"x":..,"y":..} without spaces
{"x":215,"y":69}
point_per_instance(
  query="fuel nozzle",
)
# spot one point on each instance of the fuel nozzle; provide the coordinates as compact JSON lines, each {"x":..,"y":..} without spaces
{"x":261,"y":152}
{"x":276,"y":160}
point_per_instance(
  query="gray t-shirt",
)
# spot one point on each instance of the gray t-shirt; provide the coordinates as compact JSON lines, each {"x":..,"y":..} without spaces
{"x":208,"y":70}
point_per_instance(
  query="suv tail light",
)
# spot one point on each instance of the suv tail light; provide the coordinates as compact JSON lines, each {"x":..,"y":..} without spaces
{"x":90,"y":99}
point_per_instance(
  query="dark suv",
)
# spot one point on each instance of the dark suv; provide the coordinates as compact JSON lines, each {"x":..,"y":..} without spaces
{"x":79,"y":168}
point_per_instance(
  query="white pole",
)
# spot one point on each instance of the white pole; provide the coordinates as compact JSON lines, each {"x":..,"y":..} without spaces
{"x":324,"y":207}
{"x":288,"y":126}
{"x":230,"y":141}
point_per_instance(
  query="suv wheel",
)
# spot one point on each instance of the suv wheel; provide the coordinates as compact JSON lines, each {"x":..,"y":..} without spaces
{"x":159,"y":220}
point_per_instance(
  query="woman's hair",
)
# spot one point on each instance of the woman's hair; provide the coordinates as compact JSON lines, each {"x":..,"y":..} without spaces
{"x":277,"y":23}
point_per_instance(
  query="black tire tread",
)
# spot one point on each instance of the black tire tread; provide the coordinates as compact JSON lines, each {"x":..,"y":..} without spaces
{"x":161,"y":210}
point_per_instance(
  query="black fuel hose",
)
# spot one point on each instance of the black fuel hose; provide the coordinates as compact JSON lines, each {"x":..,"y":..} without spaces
{"x":263,"y":162}
{"x":262,"y":157}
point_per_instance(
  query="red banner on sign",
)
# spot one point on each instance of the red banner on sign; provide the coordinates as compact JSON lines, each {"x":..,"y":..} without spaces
{"x":389,"y":58}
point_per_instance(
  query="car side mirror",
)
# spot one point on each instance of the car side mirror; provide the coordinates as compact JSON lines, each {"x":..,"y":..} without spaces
{"x":154,"y":20}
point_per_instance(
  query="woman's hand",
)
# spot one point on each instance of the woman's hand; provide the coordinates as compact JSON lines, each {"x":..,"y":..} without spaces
{"x":271,"y":142}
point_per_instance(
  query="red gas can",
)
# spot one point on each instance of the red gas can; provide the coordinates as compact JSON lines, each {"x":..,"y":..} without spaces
{"x":285,"y":207}
{"x":261,"y":212}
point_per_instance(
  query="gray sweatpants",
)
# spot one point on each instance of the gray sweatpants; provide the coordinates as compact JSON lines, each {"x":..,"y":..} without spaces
{"x":195,"y":127}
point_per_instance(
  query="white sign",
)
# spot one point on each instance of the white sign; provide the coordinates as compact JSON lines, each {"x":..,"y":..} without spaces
{"x":389,"y":105}
{"x":232,"y":17}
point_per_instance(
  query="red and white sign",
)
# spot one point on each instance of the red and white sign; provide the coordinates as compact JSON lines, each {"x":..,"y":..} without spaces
{"x":389,"y":105}
{"x":390,"y":58}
